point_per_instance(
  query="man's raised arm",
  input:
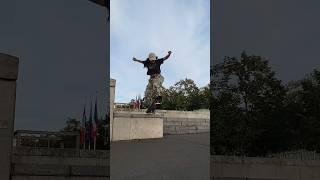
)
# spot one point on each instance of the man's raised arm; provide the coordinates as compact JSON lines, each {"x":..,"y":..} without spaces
{"x":167,"y":56}
{"x":135,"y":59}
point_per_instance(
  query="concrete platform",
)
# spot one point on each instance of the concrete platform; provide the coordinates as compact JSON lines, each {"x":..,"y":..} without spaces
{"x":136,"y":125}
{"x":173,"y":157}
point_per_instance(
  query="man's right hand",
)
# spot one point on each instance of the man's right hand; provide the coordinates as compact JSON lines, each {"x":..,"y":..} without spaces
{"x":134,"y":59}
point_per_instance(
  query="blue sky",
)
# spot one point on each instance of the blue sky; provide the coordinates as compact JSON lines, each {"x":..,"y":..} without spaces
{"x":142,"y":26}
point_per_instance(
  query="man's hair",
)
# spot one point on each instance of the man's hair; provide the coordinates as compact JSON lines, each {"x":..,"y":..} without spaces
{"x":152,"y":55}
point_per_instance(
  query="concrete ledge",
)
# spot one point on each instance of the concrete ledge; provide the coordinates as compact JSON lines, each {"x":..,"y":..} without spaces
{"x":264,"y":168}
{"x":136,"y":114}
{"x":203,"y":114}
{"x":93,"y":171}
{"x":55,"y":152}
{"x":186,"y":122}
{"x":40,"y":170}
{"x":136,"y":125}
{"x":174,"y":122}
{"x":59,"y":170}
{"x":57,"y":178}
{"x":49,"y":160}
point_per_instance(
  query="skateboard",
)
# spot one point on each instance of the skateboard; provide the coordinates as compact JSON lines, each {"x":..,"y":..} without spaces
{"x":156,"y":104}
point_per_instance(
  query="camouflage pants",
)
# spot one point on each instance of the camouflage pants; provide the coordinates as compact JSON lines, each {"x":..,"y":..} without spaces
{"x":154,"y":88}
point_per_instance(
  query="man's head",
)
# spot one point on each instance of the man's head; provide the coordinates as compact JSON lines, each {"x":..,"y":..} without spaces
{"x":152,"y":56}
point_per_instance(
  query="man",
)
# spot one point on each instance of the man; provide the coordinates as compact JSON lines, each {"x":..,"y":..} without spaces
{"x":154,"y":87}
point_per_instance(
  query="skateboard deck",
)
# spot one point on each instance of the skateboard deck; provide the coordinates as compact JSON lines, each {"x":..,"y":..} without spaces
{"x":156,"y":103}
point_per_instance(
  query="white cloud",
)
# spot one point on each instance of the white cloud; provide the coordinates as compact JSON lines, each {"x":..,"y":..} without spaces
{"x":142,"y":26}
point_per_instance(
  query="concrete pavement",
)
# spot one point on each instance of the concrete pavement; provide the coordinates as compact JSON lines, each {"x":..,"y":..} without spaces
{"x":185,"y":157}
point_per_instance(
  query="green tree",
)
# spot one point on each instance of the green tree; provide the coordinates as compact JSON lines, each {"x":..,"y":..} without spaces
{"x":247,"y":104}
{"x":184,"y":95}
{"x":72,"y":124}
{"x":205,"y":97}
{"x":303,"y":109}
{"x":102,"y":134}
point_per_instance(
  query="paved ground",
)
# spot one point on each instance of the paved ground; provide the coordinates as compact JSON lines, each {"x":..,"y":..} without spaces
{"x":174,"y":157}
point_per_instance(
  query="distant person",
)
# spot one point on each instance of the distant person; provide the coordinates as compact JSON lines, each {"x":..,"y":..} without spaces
{"x":154,"y":88}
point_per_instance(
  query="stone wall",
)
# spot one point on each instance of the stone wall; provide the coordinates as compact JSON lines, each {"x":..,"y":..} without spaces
{"x":140,"y":125}
{"x":186,"y":122}
{"x":237,"y":168}
{"x":130,"y":125}
{"x":44,"y":163}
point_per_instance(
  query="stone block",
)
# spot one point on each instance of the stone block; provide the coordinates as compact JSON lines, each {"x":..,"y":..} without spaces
{"x":173,"y":123}
{"x":40,"y":170}
{"x":91,"y":171}
{"x":187,"y":114}
{"x":60,"y":160}
{"x":129,"y":126}
{"x":58,"y":178}
{"x":25,"y":177}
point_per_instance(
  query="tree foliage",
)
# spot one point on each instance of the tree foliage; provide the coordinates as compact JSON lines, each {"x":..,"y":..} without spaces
{"x":303,"y":110}
{"x":250,"y":112}
{"x":185,"y":95}
{"x":102,"y":141}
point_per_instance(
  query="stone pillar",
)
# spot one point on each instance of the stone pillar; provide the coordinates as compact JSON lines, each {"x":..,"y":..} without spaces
{"x":112,"y":95}
{"x":8,"y":77}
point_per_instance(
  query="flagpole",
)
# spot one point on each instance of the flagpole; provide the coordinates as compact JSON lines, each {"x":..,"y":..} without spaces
{"x":84,"y":128}
{"x":90,"y":122}
{"x":95,"y":122}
